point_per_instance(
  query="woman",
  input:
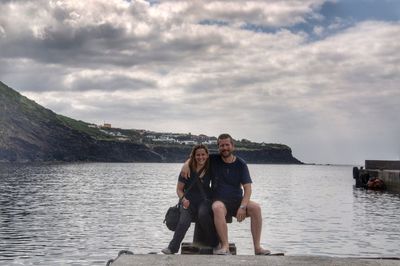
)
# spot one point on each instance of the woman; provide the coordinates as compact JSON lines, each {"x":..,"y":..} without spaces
{"x":196,"y":203}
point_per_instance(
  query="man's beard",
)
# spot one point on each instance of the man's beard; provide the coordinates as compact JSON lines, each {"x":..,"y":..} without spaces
{"x":226,"y":156}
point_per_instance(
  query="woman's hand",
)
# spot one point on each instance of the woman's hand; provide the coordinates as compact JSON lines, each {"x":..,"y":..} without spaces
{"x":185,"y":203}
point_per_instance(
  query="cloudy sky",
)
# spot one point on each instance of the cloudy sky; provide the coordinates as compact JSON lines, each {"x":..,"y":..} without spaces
{"x":320,"y":76}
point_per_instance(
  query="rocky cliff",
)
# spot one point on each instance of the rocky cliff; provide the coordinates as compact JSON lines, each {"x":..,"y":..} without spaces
{"x":30,"y":132}
{"x":265,"y":155}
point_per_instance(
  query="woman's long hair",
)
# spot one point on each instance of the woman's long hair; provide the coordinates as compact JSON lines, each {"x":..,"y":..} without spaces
{"x":193,"y":162}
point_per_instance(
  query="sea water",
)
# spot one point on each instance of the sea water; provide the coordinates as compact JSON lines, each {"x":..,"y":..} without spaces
{"x":85,"y":213}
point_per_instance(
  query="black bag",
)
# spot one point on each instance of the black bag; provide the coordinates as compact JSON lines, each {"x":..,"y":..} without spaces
{"x":172,"y":217}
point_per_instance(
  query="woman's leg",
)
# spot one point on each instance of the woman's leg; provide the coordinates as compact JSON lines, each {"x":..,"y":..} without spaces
{"x":184,"y":223}
{"x":206,"y":221}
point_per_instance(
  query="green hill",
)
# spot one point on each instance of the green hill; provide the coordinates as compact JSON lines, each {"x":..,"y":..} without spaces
{"x":30,"y":132}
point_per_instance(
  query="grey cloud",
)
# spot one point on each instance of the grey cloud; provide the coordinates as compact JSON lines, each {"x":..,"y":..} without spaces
{"x":88,"y":45}
{"x":63,"y":42}
{"x":34,"y":77}
{"x":128,"y":113}
{"x":110,"y":83}
{"x":31,"y":76}
{"x":105,"y":45}
{"x":226,"y":82}
{"x":67,"y":38}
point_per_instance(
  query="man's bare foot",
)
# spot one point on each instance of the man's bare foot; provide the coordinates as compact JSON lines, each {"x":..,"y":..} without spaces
{"x":262,"y":251}
{"x":221,"y":251}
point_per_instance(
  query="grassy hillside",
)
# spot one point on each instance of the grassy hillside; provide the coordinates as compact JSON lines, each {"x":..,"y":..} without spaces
{"x":84,"y":128}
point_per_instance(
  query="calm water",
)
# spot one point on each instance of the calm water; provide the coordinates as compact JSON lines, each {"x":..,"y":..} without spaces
{"x":83,"y":214}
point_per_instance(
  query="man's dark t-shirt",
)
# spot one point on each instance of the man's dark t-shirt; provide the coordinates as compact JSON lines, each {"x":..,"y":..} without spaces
{"x":228,"y":177}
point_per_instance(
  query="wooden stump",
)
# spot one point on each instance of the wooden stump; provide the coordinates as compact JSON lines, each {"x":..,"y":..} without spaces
{"x":196,"y":249}
{"x":201,"y":245}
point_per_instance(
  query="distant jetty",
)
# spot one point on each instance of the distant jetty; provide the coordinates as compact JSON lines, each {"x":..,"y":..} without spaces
{"x":386,"y":171}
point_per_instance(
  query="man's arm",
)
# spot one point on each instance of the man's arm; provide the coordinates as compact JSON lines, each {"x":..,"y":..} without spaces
{"x":185,"y":171}
{"x":241,"y":213}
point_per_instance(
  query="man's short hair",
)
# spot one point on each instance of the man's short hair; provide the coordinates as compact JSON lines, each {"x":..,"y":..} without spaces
{"x":225,"y":136}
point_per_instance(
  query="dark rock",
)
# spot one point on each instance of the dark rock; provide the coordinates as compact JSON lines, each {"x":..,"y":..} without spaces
{"x":268,"y":155}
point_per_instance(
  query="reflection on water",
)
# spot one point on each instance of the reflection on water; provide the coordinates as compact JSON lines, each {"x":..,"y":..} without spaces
{"x":83,"y":214}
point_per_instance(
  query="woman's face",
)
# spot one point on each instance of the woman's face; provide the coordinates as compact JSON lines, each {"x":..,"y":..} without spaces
{"x":201,"y":156}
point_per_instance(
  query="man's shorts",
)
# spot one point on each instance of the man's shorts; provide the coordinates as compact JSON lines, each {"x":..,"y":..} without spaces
{"x":231,"y":205}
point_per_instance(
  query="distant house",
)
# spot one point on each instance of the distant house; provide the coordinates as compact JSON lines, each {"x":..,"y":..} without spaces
{"x":106,"y":125}
{"x":166,"y":139}
{"x":107,"y":132}
{"x":202,"y":138}
{"x":188,"y":142}
{"x":210,"y":142}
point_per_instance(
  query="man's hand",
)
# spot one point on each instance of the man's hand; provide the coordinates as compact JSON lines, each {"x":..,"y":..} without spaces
{"x":185,"y":171}
{"x":241,"y":214}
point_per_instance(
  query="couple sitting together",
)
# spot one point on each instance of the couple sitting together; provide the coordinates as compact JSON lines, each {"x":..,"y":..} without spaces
{"x":227,"y":174}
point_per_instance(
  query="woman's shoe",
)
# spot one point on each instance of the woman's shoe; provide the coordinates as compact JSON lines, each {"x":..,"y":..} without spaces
{"x":167,"y":251}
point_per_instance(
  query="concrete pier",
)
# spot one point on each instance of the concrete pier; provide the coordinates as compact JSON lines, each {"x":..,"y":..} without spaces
{"x":388,"y":171}
{"x":391,"y":179}
{"x":382,"y":164}
{"x":206,"y":260}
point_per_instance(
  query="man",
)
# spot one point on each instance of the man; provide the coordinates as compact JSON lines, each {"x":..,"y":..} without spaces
{"x":229,"y":174}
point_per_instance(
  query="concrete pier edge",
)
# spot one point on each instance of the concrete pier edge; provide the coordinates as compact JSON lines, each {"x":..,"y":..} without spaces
{"x":203,"y":260}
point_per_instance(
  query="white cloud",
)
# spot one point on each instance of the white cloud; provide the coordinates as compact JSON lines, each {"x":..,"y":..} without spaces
{"x":134,"y":63}
{"x":235,"y":12}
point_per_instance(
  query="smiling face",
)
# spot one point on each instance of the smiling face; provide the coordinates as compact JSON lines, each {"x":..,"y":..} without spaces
{"x":225,"y":147}
{"x":201,"y":157}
